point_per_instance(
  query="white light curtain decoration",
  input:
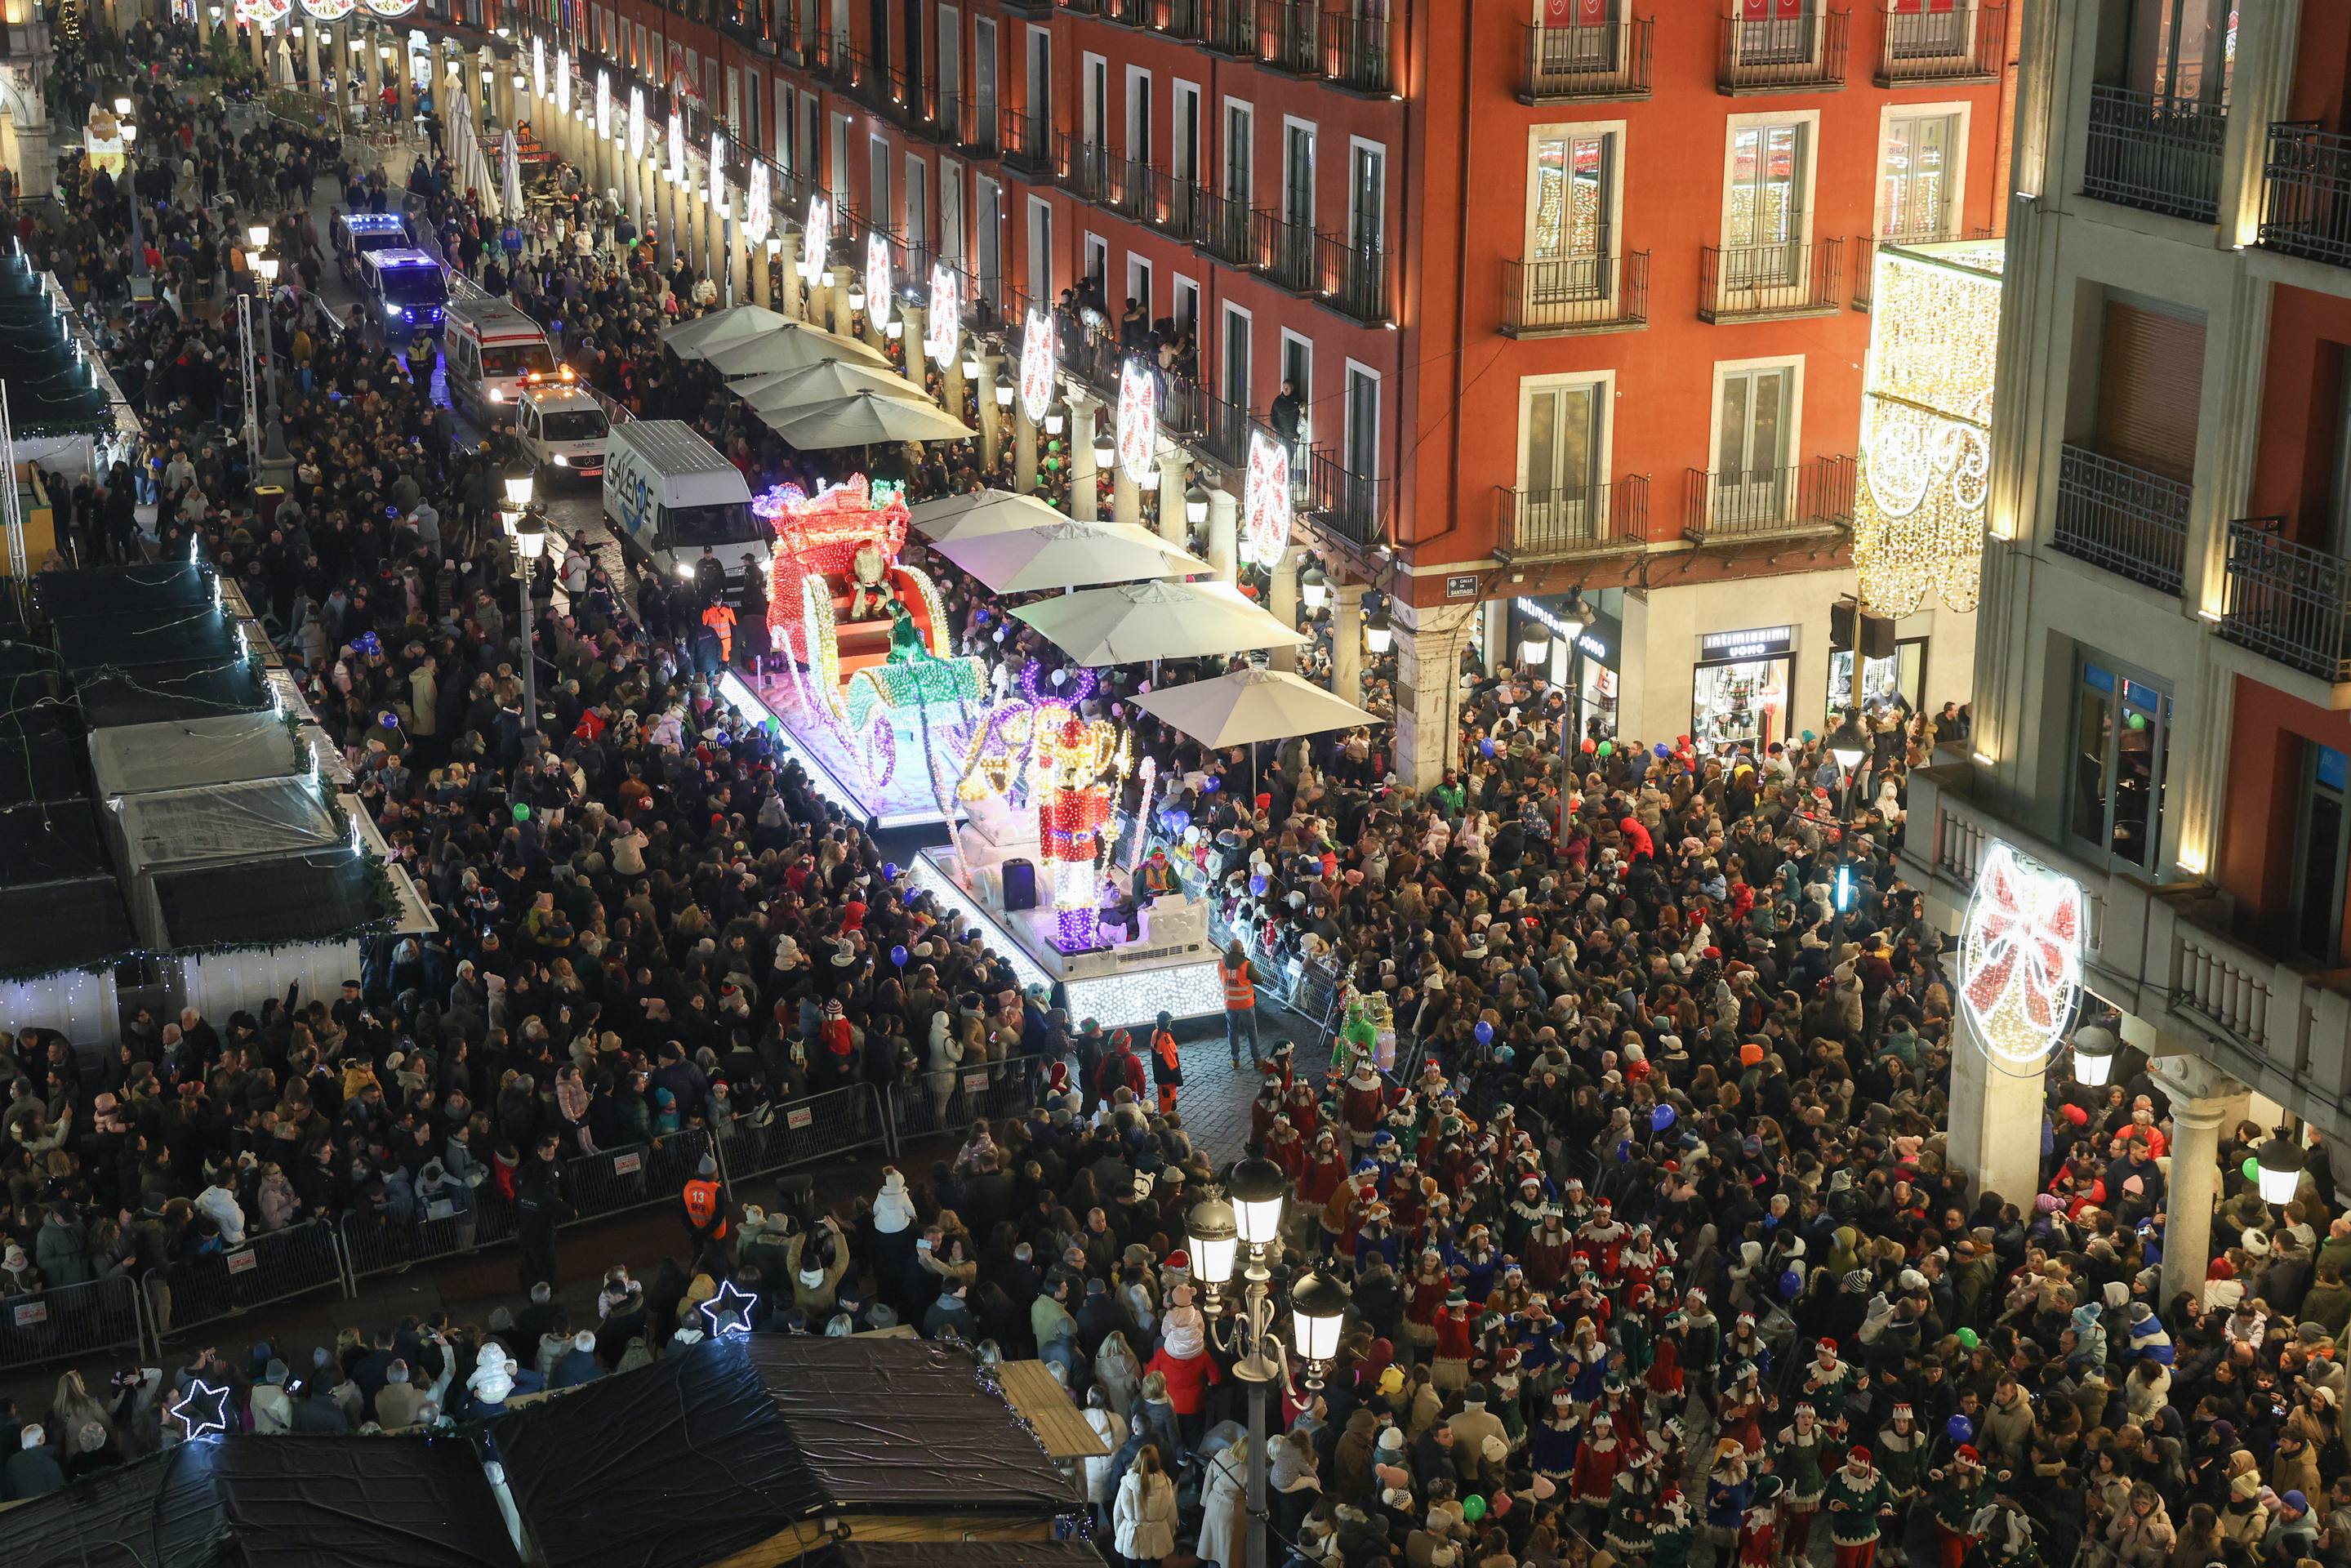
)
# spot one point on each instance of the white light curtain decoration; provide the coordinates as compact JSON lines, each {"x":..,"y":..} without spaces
{"x":881,"y":280}
{"x":1926,"y":428}
{"x":563,"y":82}
{"x":1265,"y":501}
{"x":329,"y":10}
{"x":943,"y":331}
{"x":718,"y":171}
{"x":538,"y":67}
{"x":677,"y":148}
{"x":2020,"y":968}
{"x":636,"y":122}
{"x":815,"y":239}
{"x":1037,"y":366}
{"x":759,"y":203}
{"x":603,"y":104}
{"x":1138,"y":421}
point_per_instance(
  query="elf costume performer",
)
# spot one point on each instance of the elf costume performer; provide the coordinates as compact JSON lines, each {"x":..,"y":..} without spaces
{"x":1959,"y":1492}
{"x":1555,"y":1440}
{"x":1858,"y":1499}
{"x":1669,"y":1541}
{"x":1449,"y":1371}
{"x":1759,"y":1534}
{"x":1796,"y":1460}
{"x":1596,"y":1464}
{"x":1630,"y":1504}
{"x":1901,"y":1454}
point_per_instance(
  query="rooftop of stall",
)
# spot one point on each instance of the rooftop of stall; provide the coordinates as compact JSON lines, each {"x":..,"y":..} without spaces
{"x":320,"y":897}
{"x":151,"y":694}
{"x":122,"y":590}
{"x":141,"y":639}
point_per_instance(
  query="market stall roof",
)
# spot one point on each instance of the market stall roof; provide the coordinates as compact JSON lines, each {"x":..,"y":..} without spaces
{"x":140,"y":638}
{"x":703,"y":335}
{"x":1066,"y":554}
{"x":981,"y":512}
{"x":774,"y":397}
{"x":192,"y":688}
{"x":192,"y":753}
{"x":50,"y":389}
{"x":39,"y":758}
{"x":50,"y":841}
{"x":866,"y":419}
{"x":1134,"y":621}
{"x":328,"y":896}
{"x":122,"y":590}
{"x":47,"y":928}
{"x":1245,"y":706}
{"x":248,"y":820}
{"x":793,"y":346}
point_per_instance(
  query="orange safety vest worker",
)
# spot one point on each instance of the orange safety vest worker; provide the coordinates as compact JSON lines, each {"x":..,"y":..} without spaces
{"x":720,"y":618}
{"x":1240,"y":990}
{"x":702,"y":1210}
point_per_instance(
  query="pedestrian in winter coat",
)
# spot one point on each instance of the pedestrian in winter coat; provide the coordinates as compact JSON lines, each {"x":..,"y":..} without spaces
{"x":1100,"y":1481}
{"x":1224,"y":1515}
{"x":1143,"y":1518}
{"x":2141,"y":1535}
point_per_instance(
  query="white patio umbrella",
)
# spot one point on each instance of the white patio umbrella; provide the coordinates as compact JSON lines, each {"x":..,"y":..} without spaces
{"x":697,"y":338}
{"x":1065,"y":554}
{"x":864,"y":418}
{"x":1249,"y":706}
{"x":1134,"y":621}
{"x":982,"y":512}
{"x":788,"y":393}
{"x":791,"y":346}
{"x":510,"y":174}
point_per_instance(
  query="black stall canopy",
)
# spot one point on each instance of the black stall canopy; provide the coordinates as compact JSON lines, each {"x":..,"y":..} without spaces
{"x":750,"y":1452}
{"x":272,"y":1502}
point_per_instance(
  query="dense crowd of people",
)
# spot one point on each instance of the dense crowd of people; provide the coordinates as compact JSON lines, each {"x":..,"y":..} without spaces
{"x":1630,"y":1143}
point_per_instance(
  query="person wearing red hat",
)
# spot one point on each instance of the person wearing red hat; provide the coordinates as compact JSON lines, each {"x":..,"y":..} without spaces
{"x":1960,"y":1491}
{"x":1796,"y":1460}
{"x":1857,"y":1500}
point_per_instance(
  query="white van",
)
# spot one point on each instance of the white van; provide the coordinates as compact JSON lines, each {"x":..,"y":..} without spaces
{"x":489,"y":349}
{"x":560,"y":427}
{"x":667,"y":492}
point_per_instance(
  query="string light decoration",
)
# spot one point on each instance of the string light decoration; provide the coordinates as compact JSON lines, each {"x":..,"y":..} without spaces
{"x":1138,"y":420}
{"x":563,"y":82}
{"x":881,"y":280}
{"x":201,"y":1411}
{"x":677,"y":148}
{"x":943,"y":331}
{"x":729,"y":1313}
{"x":538,"y":66}
{"x":1265,"y":501}
{"x":1926,"y":428}
{"x":2020,"y":968}
{"x":264,"y":15}
{"x":392,"y":10}
{"x":816,"y":235}
{"x":718,"y":171}
{"x":603,"y":104}
{"x":1037,"y":366}
{"x":329,"y":10}
{"x":759,"y":203}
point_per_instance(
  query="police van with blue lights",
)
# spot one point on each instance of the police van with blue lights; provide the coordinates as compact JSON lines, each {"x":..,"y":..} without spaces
{"x":668,"y":491}
{"x":357,"y":233}
{"x":407,"y":288}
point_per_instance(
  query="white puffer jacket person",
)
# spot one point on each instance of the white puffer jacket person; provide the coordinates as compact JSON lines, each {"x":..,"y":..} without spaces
{"x":1099,"y":1473}
{"x":1145,"y":1517}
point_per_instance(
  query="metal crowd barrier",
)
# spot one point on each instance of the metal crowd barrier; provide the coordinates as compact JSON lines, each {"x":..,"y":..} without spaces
{"x":276,"y":1266}
{"x":64,"y":1320}
{"x":982,"y":1092}
{"x":1309,"y":987}
{"x":816,"y":1128}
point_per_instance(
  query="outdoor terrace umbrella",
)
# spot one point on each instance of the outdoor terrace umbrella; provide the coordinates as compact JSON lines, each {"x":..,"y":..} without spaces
{"x":982,"y":512}
{"x":1134,"y":621}
{"x":793,"y":346}
{"x":865,"y":418}
{"x":704,"y":335}
{"x":1246,"y":707}
{"x":791,"y":393}
{"x":1065,"y":554}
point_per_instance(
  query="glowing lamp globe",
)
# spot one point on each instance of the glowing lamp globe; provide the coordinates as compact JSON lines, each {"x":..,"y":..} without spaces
{"x":2279,"y":1164}
{"x":2095,"y":1050}
{"x":1534,"y":646}
{"x":1848,"y":743}
{"x":1258,"y":1188}
{"x":1318,"y":1308}
{"x":1213,"y":1232}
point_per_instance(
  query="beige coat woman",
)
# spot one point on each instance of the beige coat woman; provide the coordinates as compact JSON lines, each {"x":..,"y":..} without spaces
{"x":1144,"y":1518}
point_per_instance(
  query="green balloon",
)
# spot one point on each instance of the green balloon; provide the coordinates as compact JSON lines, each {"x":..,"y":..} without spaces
{"x":521,"y":813}
{"x":2252,"y":1168}
{"x":1968,"y":1339}
{"x":1607,"y":748}
{"x":1473,"y":1507}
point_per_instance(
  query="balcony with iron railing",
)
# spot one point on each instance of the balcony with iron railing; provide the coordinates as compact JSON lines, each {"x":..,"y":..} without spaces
{"x":1563,"y":65}
{"x":1182,"y":18}
{"x":836,"y":63}
{"x":2129,"y":520}
{"x":1130,"y":188}
{"x":1083,"y":167}
{"x":1340,"y":502}
{"x":975,"y":128}
{"x":1027,"y":143}
{"x":2307,"y":192}
{"x":1132,"y":13}
{"x":1783,"y":54}
{"x":1284,"y":251}
{"x":1770,"y":282}
{"x":1225,"y":431}
{"x":1555,"y":296}
{"x":1536,"y":525}
{"x":1287,"y":37}
{"x":1217,"y":225}
{"x":1738,"y":505}
{"x":2288,"y":602}
{"x":1229,"y":27}
{"x":2155,"y":151}
{"x":1964,"y":43}
{"x":1354,"y":277}
{"x":1359,"y":52}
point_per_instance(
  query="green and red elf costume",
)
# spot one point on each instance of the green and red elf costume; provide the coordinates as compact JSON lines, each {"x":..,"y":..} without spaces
{"x":1960,"y":1492}
{"x":1856,"y":1498}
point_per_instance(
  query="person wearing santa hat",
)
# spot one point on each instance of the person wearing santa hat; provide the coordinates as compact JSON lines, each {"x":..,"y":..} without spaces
{"x":1857,"y":1502}
{"x":1901,"y":1454}
{"x":1631,"y":1503}
{"x":1596,"y":1462}
{"x":1449,"y":1368}
{"x":1962,"y":1491}
{"x":1670,"y":1534}
{"x":1796,"y":1460}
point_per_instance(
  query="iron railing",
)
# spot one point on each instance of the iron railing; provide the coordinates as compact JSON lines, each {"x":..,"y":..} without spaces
{"x":1575,"y":294}
{"x":2155,"y":151}
{"x":1131,"y":13}
{"x":1225,"y":430}
{"x":1791,"y":277}
{"x":1229,"y":27}
{"x":1342,"y":502}
{"x":2130,"y":520}
{"x":2287,"y":601}
{"x":1608,"y":61}
{"x":1218,"y":225}
{"x":1574,"y":519}
{"x":1354,"y":278}
{"x":2307,"y":192}
{"x":1783,"y":54}
{"x":1964,"y":43}
{"x":1182,"y":18}
{"x":1286,"y":36}
{"x":1740,"y":504}
{"x":821,"y":1127}
{"x":61,"y":1321}
{"x":836,"y":62}
{"x":1083,"y":167}
{"x":270,"y":1267}
{"x":977,"y":127}
{"x":976,"y":1091}
{"x":1359,"y":52}
{"x":1027,"y":141}
{"x":1130,"y":188}
{"x":1284,"y":250}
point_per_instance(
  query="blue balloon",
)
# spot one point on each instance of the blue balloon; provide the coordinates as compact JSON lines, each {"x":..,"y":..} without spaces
{"x":1959,"y":1429}
{"x":1661,"y":1118}
{"x":898,"y":954}
{"x":1485,"y":1032}
{"x":1179,"y":819}
{"x":1661,"y":751}
{"x":889,"y":870}
{"x":1257,"y":887}
{"x":1211,"y":784}
{"x":1792,"y":1284}
{"x":1485,"y":749}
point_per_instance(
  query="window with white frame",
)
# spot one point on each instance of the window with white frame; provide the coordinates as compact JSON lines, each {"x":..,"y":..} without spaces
{"x":1574,"y":200}
{"x":1757,"y":413}
{"x":1921,"y":157}
{"x":1562,"y":459}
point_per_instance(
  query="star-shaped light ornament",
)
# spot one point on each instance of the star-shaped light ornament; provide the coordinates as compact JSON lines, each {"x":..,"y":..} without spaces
{"x":728,"y":1311}
{"x":202,"y":1410}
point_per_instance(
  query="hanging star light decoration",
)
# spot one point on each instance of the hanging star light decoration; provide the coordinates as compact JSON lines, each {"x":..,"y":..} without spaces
{"x":1138,"y":420}
{"x":881,"y":279}
{"x":636,"y":122}
{"x":816,"y":236}
{"x":603,"y":104}
{"x":563,"y":82}
{"x":537,"y":67}
{"x":943,"y":331}
{"x":1265,"y":501}
{"x":729,"y":1311}
{"x":718,"y":171}
{"x":1037,"y":366}
{"x":677,"y":148}
{"x":202,"y":1410}
{"x":759,"y":203}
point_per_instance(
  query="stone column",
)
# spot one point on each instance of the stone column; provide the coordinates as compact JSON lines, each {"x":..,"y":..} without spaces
{"x":1085,"y":502}
{"x":951,"y":376}
{"x":760,"y":265}
{"x":2203,"y":1101}
{"x":787,"y":272}
{"x":677,"y":237}
{"x":371,"y":47}
{"x":740,"y":260}
{"x":258,"y":47}
{"x":991,"y":418}
{"x":1347,"y":642}
{"x":844,"y":319}
{"x":1175,"y":526}
{"x":1428,"y":642}
{"x":910,"y":319}
{"x":403,"y":67}
{"x":1025,"y":443}
{"x":310,"y":55}
{"x":203,"y":25}
{"x":1125,"y":496}
{"x":1224,"y":534}
{"x":1281,"y":602}
{"x":1995,"y":1123}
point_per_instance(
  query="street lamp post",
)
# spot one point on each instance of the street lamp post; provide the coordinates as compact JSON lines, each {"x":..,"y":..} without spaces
{"x":142,"y":282}
{"x":1849,"y":743}
{"x":274,"y":455}
{"x":530,"y":531}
